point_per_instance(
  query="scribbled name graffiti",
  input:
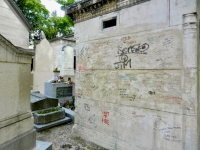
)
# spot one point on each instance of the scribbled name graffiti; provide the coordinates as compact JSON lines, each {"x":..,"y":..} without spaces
{"x":123,"y":54}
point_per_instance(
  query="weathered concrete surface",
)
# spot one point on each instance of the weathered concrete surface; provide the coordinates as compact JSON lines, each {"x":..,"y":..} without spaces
{"x":137,"y":82}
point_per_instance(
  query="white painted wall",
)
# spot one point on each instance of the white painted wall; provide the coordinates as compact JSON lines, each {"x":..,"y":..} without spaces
{"x":12,"y":27}
{"x":152,"y":102}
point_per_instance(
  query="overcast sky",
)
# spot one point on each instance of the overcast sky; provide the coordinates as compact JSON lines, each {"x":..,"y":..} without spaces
{"x":52,"y":5}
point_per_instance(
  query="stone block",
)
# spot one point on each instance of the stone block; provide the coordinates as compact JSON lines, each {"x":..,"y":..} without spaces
{"x":48,"y":117}
{"x":25,"y":141}
{"x":69,"y":113}
{"x":43,"y":145}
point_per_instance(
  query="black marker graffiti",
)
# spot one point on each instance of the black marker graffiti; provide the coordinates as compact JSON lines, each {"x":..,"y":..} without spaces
{"x":83,"y":50}
{"x":95,"y":87}
{"x":122,"y":54}
{"x":134,"y":49}
{"x":123,"y":62}
{"x":87,"y":107}
{"x":152,"y":93}
{"x":92,"y":120}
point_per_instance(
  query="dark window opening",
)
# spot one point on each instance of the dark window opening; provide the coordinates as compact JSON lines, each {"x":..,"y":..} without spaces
{"x":110,"y":23}
{"x":74,"y":62}
{"x":32,"y":64}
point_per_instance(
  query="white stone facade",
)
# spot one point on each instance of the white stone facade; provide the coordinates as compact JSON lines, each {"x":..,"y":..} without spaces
{"x":137,"y":82}
{"x":12,"y":25}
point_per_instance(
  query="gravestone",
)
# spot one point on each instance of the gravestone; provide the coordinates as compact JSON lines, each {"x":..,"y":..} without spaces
{"x":62,"y":91}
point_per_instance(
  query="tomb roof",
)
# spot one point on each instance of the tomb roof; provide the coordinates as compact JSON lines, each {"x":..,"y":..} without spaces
{"x":87,"y":9}
{"x":20,"y":14}
{"x":17,"y":49}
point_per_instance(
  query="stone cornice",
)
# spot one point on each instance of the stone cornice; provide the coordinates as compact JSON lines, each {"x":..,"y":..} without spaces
{"x":13,"y":54}
{"x":88,"y":9}
{"x":18,"y":50}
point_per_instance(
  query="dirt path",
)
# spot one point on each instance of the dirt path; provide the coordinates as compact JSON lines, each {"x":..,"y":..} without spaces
{"x":61,"y":138}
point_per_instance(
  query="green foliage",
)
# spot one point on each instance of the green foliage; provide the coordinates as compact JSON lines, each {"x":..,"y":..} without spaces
{"x":48,"y":111}
{"x":34,"y":11}
{"x":58,"y":25}
{"x":65,"y":3}
{"x":78,"y":138}
{"x":38,"y":16}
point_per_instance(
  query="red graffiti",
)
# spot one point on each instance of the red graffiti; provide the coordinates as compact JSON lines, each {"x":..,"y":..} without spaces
{"x":83,"y":67}
{"x":175,"y":99}
{"x":137,"y":116}
{"x":104,"y":119}
{"x":127,"y":40}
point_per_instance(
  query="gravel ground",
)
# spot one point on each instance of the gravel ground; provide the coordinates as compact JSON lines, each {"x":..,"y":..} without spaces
{"x":61,"y":138}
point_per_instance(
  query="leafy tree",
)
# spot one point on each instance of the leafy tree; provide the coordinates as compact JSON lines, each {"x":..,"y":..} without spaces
{"x":58,"y":26}
{"x":39,"y":18}
{"x":65,"y":3}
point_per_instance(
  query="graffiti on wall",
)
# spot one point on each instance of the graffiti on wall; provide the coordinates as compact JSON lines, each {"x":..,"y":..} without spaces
{"x":92,"y":120}
{"x":123,"y":54}
{"x":105,"y":118}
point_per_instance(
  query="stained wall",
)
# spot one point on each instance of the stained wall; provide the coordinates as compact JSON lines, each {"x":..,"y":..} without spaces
{"x":137,"y":82}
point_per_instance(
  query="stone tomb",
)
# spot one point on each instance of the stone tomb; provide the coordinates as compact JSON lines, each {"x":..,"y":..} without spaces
{"x":62,"y":91}
{"x":46,"y":111}
{"x":40,"y":101}
{"x":16,"y":121}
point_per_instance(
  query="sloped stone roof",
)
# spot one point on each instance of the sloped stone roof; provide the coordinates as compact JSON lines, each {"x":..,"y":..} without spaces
{"x":21,"y":15}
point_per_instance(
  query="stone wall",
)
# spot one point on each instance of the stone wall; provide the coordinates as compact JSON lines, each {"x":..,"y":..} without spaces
{"x":16,"y":119}
{"x":137,"y":82}
{"x":12,"y":26}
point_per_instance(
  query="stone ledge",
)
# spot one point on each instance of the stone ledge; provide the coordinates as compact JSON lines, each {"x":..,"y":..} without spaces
{"x":14,"y":54}
{"x":14,"y":119}
{"x":40,"y":145}
{"x":52,"y":124}
{"x":26,"y":141}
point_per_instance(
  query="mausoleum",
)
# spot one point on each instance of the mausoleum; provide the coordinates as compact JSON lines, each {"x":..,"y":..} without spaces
{"x":137,"y":73}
